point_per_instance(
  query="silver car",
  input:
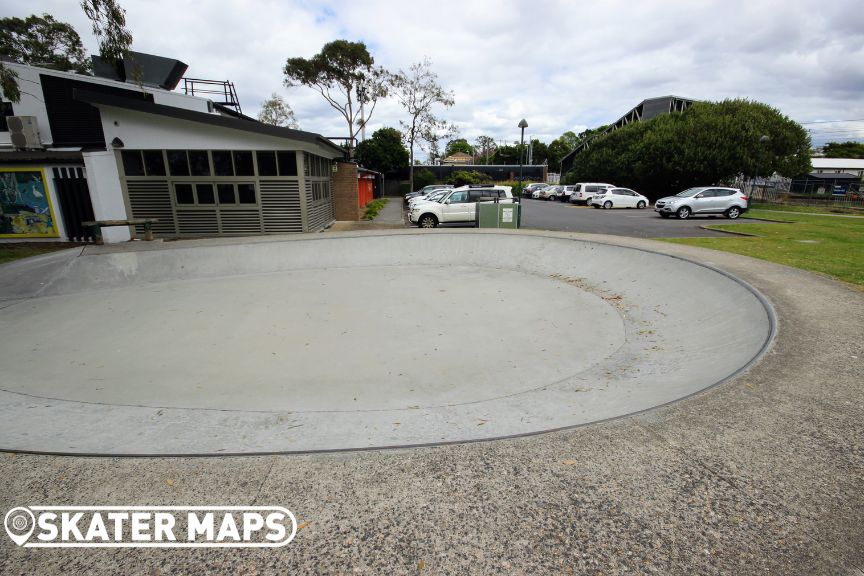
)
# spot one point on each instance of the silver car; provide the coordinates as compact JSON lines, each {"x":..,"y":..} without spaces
{"x":730,"y":202}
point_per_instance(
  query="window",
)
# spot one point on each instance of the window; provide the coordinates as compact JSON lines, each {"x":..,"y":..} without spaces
{"x":205,"y":193}
{"x":287,"y":163}
{"x":222,"y":163}
{"x":267,"y":164}
{"x":199,"y":163}
{"x":154,"y":163}
{"x":458,"y":197}
{"x":132,"y":164}
{"x":246,"y":193}
{"x":5,"y":110}
{"x":226,"y":194}
{"x":178,"y":163}
{"x":243,"y":165}
{"x":183,"y":194}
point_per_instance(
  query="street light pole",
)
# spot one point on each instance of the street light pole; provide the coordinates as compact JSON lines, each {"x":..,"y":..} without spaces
{"x":522,"y":124}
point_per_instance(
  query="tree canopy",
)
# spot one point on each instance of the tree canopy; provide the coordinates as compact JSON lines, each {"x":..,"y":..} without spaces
{"x":843,"y":150}
{"x":706,"y":144}
{"x":345,"y":75}
{"x":43,"y":41}
{"x":458,"y":145}
{"x":383,"y":152}
{"x":109,"y":27}
{"x":418,"y":92}
{"x":276,"y":111}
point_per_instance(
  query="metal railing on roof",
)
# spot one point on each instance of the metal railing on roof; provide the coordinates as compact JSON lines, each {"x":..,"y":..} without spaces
{"x":213,"y":89}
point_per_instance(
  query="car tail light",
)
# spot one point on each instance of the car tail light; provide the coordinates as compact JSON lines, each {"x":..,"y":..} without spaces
{"x":744,"y":198}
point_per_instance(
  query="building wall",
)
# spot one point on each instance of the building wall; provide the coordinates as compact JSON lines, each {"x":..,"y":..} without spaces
{"x":345,"y":191}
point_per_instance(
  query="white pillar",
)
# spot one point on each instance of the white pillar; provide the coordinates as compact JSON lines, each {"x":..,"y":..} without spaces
{"x":103,"y":180}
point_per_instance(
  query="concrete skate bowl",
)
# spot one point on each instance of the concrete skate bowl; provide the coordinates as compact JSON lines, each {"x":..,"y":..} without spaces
{"x":356,"y":342}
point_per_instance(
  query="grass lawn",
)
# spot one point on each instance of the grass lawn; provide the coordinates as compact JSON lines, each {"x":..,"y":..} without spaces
{"x":374,"y":207}
{"x":832,"y":246}
{"x":14,"y":250}
{"x":807,"y":209}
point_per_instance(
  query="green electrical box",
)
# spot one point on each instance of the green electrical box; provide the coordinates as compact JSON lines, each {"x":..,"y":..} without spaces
{"x":497,"y":215}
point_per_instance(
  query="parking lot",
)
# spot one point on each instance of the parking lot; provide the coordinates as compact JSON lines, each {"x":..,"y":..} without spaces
{"x":548,"y":215}
{"x":558,"y":216}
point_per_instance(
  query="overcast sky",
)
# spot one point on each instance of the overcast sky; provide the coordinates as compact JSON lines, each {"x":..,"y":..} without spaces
{"x":562,"y":65}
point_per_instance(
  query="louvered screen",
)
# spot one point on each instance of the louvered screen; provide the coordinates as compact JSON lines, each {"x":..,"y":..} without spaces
{"x":152,"y":199}
{"x":197,"y":222}
{"x":280,"y":206}
{"x":240,"y":221}
{"x":320,"y":211}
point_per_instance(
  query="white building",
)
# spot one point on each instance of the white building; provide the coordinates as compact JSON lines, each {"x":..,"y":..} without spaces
{"x":853,"y":166}
{"x":80,"y":147}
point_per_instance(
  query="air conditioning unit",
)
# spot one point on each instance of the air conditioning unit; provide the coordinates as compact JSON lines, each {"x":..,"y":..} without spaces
{"x":24,"y":131}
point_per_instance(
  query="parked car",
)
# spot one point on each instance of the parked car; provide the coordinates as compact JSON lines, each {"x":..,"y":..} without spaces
{"x":584,"y":191}
{"x":730,"y":202}
{"x":431,"y":197}
{"x":426,"y":190}
{"x":530,"y":188}
{"x":566,"y":192}
{"x":619,"y":198}
{"x":549,"y":193}
{"x":537,"y":191}
{"x":458,"y":205}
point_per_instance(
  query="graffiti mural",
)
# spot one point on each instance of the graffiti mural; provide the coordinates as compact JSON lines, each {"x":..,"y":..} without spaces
{"x":25,"y":207}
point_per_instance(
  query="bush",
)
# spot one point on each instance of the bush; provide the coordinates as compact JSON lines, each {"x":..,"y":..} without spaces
{"x":465,"y":177}
{"x":423,"y":178}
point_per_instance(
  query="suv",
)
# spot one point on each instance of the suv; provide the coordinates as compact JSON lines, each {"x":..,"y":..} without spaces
{"x":458,"y":205}
{"x":584,"y":191}
{"x":730,"y":202}
{"x":426,"y":190}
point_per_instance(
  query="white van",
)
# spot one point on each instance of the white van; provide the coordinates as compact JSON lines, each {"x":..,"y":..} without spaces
{"x":584,"y":191}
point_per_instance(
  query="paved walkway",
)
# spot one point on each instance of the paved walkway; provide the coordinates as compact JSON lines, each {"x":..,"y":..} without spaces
{"x":391,"y":216}
{"x":761,"y":475}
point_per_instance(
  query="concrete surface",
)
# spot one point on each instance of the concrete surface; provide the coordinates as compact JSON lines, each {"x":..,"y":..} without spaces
{"x":763,"y":474}
{"x":337,"y":343}
{"x":546,"y":215}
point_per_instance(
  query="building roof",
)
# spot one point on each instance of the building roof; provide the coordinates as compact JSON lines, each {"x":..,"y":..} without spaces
{"x":242,"y":124}
{"x":838,"y":163}
{"x":842,"y":176}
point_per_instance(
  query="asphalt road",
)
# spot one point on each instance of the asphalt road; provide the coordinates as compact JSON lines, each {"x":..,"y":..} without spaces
{"x":550,"y":215}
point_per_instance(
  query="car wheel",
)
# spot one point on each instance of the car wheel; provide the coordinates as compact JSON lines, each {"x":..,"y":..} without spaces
{"x":683,"y":213}
{"x":427,"y":221}
{"x":641,"y":204}
{"x":733,"y":213}
{"x":607,"y":205}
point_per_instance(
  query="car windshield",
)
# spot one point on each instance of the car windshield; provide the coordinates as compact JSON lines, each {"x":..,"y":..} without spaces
{"x":689,"y":192}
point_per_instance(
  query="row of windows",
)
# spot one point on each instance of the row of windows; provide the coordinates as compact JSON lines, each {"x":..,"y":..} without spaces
{"x":316,"y":166}
{"x":209,"y":193}
{"x":209,"y":163}
{"x":320,"y":191}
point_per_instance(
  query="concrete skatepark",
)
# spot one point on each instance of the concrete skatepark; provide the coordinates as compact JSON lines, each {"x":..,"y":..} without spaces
{"x":238,"y":347}
{"x":759,"y":474}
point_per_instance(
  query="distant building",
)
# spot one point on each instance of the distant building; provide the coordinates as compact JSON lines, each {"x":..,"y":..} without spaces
{"x":853,"y":166}
{"x":458,"y":158}
{"x":645,"y":110}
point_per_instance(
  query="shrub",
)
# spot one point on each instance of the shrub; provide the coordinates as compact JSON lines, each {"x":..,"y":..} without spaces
{"x":423,"y":178}
{"x":465,"y":177}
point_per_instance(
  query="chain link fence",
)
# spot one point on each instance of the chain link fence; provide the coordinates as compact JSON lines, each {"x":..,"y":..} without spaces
{"x":824,"y":192}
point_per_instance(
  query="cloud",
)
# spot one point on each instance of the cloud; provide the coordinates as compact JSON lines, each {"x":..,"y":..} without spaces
{"x":562,"y":65}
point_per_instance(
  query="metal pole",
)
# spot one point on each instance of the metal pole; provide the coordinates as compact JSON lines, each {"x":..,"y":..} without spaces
{"x":522,"y":124}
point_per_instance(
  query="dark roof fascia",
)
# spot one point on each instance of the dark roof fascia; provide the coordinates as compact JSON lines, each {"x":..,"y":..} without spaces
{"x":40,"y":157}
{"x":834,"y":176}
{"x":204,"y":118}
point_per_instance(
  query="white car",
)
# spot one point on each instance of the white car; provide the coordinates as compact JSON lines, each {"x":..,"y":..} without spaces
{"x":537,"y":191}
{"x":458,"y":205}
{"x":550,"y":192}
{"x":431,"y":197}
{"x":584,"y":191}
{"x":619,"y":198}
